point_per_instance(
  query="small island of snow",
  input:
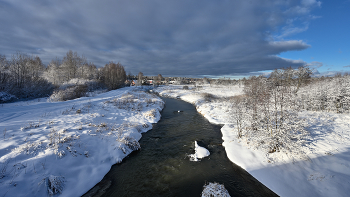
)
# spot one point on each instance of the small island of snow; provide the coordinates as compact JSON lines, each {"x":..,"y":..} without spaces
{"x":200,"y":152}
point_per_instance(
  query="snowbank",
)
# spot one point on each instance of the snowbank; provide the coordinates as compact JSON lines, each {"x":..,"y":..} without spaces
{"x":325,"y":171}
{"x":67,"y":147}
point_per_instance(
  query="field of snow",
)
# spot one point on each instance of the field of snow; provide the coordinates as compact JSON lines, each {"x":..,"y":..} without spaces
{"x":67,"y":147}
{"x":323,"y":171}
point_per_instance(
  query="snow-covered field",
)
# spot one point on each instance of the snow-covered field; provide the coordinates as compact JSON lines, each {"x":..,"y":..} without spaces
{"x":323,"y":171}
{"x":67,"y":147}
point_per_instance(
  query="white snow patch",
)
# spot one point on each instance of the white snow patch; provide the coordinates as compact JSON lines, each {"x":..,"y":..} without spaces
{"x":200,"y":152}
{"x":215,"y":189}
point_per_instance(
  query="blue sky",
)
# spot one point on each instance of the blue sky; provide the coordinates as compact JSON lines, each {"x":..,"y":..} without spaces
{"x":329,"y":37}
{"x":181,"y":37}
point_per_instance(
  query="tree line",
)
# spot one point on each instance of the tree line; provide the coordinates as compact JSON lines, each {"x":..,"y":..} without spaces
{"x":23,"y":76}
{"x":267,"y":114}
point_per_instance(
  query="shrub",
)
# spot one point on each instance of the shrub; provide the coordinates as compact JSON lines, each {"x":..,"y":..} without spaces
{"x":55,"y":184}
{"x":75,"y":88}
{"x":72,"y":92}
{"x":6,"y":97}
{"x":208,"y":97}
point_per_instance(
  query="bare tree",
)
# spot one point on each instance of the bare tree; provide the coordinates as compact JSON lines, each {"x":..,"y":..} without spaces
{"x":139,"y":78}
{"x":4,"y":72}
{"x":159,"y":79}
{"x":238,"y":114}
{"x":22,"y":76}
{"x":71,"y":63}
{"x":114,"y":75}
{"x":270,"y":119}
{"x":303,"y":75}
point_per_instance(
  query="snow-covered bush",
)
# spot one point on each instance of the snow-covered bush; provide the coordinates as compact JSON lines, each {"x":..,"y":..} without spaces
{"x":266,"y":116}
{"x":132,"y":101}
{"x":326,"y":94}
{"x":214,"y":190}
{"x":75,"y":88}
{"x":29,"y":148}
{"x":55,"y":184}
{"x":5,"y":97}
{"x":131,"y":143}
{"x":152,"y":113}
{"x":70,"y":93}
{"x":3,"y":169}
{"x":91,"y":84}
{"x":22,"y":77}
{"x":128,"y":143}
{"x":127,"y":101}
{"x":208,"y":96}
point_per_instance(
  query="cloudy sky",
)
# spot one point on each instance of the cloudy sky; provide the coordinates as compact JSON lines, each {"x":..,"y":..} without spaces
{"x":182,"y":37}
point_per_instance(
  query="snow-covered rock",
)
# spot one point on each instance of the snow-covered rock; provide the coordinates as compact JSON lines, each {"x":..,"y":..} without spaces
{"x":215,"y":189}
{"x":200,"y":152}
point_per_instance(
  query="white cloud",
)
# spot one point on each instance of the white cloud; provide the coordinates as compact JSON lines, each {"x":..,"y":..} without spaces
{"x":301,"y":62}
{"x":311,"y":2}
{"x":292,"y":30}
{"x":315,"y":64}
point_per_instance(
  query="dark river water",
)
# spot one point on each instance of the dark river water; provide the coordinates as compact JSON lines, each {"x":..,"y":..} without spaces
{"x":162,"y":166}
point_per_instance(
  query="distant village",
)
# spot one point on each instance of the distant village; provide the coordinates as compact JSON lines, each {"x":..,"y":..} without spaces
{"x":160,"y":80}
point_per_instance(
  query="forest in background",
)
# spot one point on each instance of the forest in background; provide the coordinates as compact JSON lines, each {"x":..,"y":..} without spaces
{"x":23,"y":76}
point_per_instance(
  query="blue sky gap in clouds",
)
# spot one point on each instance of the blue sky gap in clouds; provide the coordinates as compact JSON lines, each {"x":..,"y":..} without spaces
{"x":197,"y":37}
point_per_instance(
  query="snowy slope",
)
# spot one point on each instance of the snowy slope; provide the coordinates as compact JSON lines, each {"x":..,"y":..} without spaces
{"x":324,"y":172}
{"x":67,"y":147}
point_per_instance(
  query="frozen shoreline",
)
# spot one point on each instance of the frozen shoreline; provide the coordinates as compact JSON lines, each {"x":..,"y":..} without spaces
{"x":325,"y":172}
{"x":67,"y":147}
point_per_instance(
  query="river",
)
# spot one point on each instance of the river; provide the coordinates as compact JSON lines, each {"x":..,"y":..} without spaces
{"x":162,"y":166}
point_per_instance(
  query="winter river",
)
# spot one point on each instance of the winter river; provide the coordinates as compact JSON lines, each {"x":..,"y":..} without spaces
{"x":162,"y":166}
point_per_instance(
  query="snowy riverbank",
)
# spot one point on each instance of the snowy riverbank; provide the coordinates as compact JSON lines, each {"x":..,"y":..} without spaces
{"x":67,"y":147}
{"x":325,"y":171}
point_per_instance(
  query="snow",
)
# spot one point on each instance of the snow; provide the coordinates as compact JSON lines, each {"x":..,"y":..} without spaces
{"x":324,"y":171}
{"x":200,"y":152}
{"x":215,"y":189}
{"x":67,"y":147}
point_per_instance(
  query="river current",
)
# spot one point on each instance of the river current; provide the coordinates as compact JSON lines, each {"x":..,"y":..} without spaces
{"x":162,"y":166}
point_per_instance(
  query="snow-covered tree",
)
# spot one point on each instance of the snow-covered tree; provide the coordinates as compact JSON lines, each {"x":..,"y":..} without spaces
{"x":71,"y":64}
{"x":267,"y":114}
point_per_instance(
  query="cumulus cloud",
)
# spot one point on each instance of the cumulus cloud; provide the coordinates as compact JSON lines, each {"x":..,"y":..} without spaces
{"x":169,"y":37}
